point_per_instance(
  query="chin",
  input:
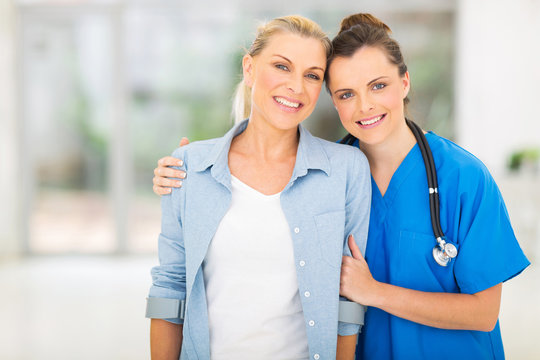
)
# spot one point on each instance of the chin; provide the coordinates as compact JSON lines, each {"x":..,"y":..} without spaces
{"x":288,"y":122}
{"x":374,"y":136}
{"x":368,"y":140}
{"x":286,"y":125}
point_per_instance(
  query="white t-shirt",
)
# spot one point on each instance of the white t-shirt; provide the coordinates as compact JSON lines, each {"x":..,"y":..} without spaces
{"x":254,"y":308}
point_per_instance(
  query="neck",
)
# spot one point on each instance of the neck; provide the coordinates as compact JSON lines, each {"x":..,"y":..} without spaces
{"x":384,"y":158}
{"x":266,"y":143}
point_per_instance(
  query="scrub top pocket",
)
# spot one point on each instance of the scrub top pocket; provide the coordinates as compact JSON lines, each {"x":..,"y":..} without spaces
{"x":418,"y":269}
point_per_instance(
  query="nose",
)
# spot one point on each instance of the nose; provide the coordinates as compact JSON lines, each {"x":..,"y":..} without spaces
{"x":296,"y":84}
{"x":365,"y":103}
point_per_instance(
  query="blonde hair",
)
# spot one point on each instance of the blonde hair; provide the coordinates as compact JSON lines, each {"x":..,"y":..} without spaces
{"x":294,"y":24}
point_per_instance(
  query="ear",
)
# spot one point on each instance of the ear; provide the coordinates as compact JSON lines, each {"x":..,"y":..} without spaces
{"x":406,"y":84}
{"x":247,"y":70}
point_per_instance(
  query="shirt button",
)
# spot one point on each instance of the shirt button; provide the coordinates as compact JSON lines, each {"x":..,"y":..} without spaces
{"x":302,"y":263}
{"x":296,"y":230}
{"x":316,"y":356}
{"x":307,"y":294}
{"x":311,"y":323}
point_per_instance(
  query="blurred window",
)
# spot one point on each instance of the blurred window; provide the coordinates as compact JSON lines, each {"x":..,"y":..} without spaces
{"x":109,"y":87}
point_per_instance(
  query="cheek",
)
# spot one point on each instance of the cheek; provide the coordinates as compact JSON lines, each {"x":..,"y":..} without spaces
{"x":344,"y":111}
{"x":392,"y":100}
{"x":266,"y":80}
{"x":314,"y":91}
{"x":346,"y":116}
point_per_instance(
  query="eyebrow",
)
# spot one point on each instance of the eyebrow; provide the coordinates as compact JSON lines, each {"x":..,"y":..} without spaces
{"x":283,"y":57}
{"x":369,"y":83}
{"x":377,"y":79}
{"x":340,"y":90}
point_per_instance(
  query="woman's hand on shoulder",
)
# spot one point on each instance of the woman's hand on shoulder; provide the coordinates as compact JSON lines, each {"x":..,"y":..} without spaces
{"x":163,"y":173}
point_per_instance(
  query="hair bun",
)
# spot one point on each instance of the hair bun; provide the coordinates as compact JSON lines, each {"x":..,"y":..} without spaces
{"x":362,"y":18}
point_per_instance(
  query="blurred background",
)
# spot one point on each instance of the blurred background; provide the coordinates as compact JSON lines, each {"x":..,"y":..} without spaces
{"x":92,"y":93}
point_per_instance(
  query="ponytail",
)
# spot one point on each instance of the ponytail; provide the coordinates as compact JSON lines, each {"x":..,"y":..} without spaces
{"x":241,"y":102}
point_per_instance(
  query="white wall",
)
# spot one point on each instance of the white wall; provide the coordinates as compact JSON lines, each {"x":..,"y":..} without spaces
{"x":9,"y":180}
{"x":497,"y":78}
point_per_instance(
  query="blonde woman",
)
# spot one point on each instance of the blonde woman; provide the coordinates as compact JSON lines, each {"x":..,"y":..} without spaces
{"x":245,"y":245}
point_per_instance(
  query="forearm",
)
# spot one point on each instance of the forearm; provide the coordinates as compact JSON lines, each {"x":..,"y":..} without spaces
{"x":346,"y":346}
{"x":442,"y":310}
{"x":165,"y":340}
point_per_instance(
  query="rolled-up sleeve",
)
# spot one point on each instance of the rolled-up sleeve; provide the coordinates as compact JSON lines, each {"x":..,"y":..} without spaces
{"x":168,"y":291}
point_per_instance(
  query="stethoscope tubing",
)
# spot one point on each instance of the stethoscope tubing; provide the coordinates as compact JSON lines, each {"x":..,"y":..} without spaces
{"x":431,"y":173}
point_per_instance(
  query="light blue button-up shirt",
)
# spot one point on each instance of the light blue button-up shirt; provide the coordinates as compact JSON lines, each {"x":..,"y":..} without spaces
{"x":327,"y":198}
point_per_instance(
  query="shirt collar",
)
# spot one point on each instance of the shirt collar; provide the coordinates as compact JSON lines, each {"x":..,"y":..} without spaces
{"x":310,"y":154}
{"x":219,"y":153}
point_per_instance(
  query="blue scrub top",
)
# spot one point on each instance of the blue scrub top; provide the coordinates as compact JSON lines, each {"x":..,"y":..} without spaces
{"x":399,"y":252}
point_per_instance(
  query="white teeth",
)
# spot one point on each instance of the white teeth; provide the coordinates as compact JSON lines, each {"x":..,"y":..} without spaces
{"x":372,"y":121}
{"x":282,"y":101}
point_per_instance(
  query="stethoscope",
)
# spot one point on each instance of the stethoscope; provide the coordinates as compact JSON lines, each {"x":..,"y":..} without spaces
{"x":444,"y":251}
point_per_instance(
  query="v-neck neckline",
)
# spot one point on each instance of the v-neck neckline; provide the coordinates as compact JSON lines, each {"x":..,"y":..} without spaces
{"x":398,"y":177}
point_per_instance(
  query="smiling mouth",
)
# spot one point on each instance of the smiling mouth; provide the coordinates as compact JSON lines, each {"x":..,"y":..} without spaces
{"x":371,"y":121}
{"x":287,"y":103}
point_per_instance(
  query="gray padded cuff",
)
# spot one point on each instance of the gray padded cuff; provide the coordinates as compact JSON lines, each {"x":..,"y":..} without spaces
{"x":161,"y":308}
{"x":351,"y":312}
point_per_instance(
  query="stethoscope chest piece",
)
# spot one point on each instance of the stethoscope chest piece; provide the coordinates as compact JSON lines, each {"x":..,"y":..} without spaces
{"x":443,"y":252}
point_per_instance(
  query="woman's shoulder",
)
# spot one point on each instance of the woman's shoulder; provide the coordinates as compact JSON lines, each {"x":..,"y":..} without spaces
{"x":210,"y":149}
{"x":195,"y":151}
{"x":347,"y":159}
{"x":452,"y":159}
{"x":338,"y":155}
{"x":341,"y":150}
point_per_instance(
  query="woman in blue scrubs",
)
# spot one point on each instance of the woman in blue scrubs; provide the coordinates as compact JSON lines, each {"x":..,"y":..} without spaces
{"x":418,"y":309}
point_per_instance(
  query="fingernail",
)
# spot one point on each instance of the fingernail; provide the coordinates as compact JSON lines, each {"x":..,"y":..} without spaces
{"x":180,"y":163}
{"x":183,"y":175}
{"x":169,"y":190}
{"x":179,"y":183}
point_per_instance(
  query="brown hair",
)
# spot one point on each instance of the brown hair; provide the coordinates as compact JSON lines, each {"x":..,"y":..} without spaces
{"x":361,"y":30}
{"x":294,"y":24}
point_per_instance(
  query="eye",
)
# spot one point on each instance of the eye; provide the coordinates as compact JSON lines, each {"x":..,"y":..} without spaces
{"x":282,"y":67}
{"x":378,"y":86}
{"x":345,"y":95}
{"x":314,"y":76}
